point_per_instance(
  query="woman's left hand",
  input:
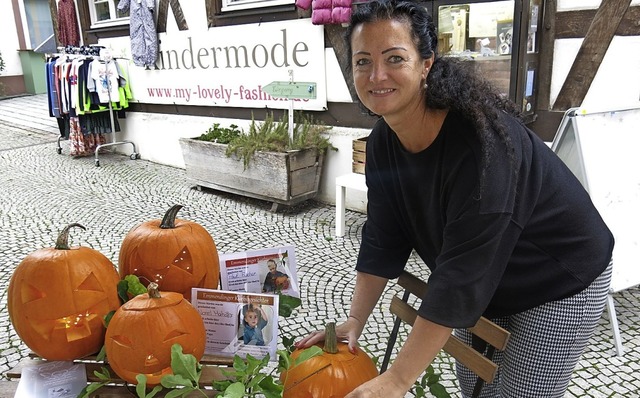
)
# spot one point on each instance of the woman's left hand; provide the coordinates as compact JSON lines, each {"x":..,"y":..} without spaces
{"x":383,"y":386}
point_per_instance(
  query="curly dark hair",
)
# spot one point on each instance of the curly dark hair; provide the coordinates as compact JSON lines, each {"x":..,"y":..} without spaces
{"x":452,"y":83}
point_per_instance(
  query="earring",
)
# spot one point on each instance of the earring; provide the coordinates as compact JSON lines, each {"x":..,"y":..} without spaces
{"x":425,"y":85}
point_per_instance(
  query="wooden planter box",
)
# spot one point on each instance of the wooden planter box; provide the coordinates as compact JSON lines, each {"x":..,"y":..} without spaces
{"x":283,"y":178}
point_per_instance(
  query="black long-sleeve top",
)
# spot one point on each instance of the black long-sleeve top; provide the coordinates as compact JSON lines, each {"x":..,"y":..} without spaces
{"x":517,"y":243}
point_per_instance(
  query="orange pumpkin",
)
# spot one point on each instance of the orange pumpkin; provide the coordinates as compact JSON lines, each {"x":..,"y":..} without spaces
{"x":58,"y":297}
{"x":176,"y":254}
{"x":142,"y":331}
{"x":334,"y":373}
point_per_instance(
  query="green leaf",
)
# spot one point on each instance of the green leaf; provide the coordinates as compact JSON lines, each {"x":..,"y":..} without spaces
{"x":89,"y":389}
{"x":235,"y":390}
{"x":123,"y":287}
{"x":173,"y":381}
{"x":102,"y":355}
{"x":238,"y":364}
{"x":270,"y":386}
{"x":287,"y":304}
{"x":185,"y":365}
{"x":284,"y":360}
{"x":141,"y":387}
{"x":156,"y":390}
{"x":180,"y":392}
{"x":103,"y":374}
{"x":308,"y":353}
{"x":439,"y":391}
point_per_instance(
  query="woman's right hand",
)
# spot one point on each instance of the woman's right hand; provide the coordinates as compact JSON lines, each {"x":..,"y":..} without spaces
{"x":349,"y":331}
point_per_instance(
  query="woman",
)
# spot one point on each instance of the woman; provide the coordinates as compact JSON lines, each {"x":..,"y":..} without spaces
{"x":505,"y":228}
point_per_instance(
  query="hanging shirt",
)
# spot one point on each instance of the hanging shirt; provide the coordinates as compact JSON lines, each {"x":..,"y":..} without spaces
{"x":105,"y":76}
{"x":68,"y":32}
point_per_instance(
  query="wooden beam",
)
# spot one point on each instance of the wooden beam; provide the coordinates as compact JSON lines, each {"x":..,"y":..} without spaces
{"x":591,"y":53}
{"x":545,"y":64}
{"x":574,"y":24}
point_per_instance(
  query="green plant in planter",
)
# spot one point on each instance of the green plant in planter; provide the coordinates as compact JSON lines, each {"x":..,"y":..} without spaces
{"x":271,"y":136}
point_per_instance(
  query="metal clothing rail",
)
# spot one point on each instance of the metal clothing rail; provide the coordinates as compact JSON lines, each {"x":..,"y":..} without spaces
{"x":104,"y":56}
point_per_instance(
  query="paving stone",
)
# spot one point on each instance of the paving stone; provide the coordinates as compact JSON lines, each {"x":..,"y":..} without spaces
{"x":42,"y":191}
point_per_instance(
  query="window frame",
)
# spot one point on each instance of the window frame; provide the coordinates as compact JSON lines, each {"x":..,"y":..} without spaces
{"x":235,"y":5}
{"x":114,"y":20}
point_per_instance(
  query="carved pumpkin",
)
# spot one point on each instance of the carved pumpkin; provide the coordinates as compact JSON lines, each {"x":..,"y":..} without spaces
{"x":334,"y":373}
{"x":58,"y":297}
{"x":142,"y":331}
{"x":176,"y":254}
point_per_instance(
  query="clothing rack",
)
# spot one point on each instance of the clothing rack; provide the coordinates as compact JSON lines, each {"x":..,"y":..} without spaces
{"x":103,"y":55}
{"x":106,"y":57}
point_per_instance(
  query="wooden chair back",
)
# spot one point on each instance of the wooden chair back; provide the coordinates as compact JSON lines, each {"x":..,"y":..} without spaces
{"x":479,"y":363}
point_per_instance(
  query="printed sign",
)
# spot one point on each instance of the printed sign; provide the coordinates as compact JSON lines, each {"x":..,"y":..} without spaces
{"x":238,"y":323}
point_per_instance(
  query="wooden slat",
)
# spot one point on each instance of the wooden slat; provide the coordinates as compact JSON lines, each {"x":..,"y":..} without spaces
{"x":8,"y":389}
{"x":484,"y":328}
{"x":575,"y":23}
{"x":210,"y":372}
{"x":472,"y":359}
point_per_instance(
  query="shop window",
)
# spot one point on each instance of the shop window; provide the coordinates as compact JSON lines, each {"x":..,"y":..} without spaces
{"x":105,"y":12}
{"x":40,"y":27}
{"x":233,"y":5}
{"x":480,"y":32}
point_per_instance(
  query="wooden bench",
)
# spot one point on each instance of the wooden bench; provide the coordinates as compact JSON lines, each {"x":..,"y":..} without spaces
{"x":211,"y":371}
{"x":479,"y":363}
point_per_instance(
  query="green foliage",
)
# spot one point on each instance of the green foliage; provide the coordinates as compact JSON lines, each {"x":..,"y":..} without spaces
{"x":430,"y":381}
{"x":2,"y":64}
{"x":130,"y":286}
{"x":221,"y":135}
{"x":270,"y":136}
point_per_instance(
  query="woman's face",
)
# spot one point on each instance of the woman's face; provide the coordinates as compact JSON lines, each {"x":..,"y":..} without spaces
{"x":388,"y":72}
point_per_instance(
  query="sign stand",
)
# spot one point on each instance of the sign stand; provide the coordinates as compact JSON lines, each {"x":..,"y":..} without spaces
{"x":601,"y":150}
{"x":291,"y":90}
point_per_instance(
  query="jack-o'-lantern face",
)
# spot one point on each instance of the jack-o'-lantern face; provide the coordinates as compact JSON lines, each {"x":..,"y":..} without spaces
{"x":175,"y":254}
{"x":57,"y":300}
{"x":142,"y":331}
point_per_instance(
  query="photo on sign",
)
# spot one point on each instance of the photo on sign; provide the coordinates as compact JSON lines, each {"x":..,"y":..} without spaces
{"x":270,"y":271}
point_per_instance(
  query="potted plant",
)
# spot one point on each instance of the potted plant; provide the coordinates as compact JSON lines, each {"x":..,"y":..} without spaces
{"x":264,"y":163}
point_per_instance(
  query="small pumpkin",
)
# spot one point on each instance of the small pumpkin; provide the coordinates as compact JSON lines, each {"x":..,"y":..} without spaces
{"x":334,"y":373}
{"x":58,"y":297}
{"x":282,"y":282}
{"x":176,"y":254}
{"x":141,"y":332}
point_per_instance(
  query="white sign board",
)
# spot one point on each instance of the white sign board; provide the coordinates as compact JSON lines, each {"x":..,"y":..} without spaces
{"x":602,"y":151}
{"x":229,"y":66}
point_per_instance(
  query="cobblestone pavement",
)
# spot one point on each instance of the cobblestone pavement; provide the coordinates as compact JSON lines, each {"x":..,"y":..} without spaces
{"x":43,"y":191}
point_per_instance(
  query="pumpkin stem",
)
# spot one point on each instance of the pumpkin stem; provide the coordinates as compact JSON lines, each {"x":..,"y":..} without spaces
{"x":62,"y":243}
{"x":153,"y":291}
{"x":169,"y":219}
{"x":330,"y":338}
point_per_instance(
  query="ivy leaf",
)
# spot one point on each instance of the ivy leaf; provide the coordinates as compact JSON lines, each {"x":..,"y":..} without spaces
{"x":287,"y":304}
